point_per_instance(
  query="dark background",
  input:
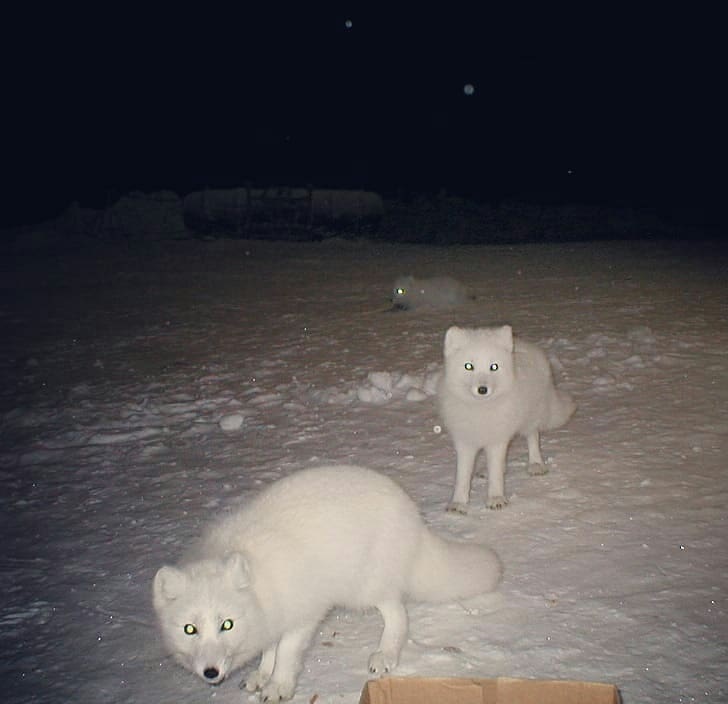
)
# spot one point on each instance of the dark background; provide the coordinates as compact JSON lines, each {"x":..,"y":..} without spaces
{"x":595,"y":104}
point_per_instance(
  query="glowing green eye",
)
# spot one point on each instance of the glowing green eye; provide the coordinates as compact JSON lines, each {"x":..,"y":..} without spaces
{"x":190,"y":629}
{"x":469,"y":366}
{"x":494,"y":367}
{"x":400,"y":291}
{"x":227,"y":624}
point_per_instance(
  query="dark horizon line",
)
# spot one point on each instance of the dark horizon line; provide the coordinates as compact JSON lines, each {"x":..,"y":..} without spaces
{"x":44,"y":207}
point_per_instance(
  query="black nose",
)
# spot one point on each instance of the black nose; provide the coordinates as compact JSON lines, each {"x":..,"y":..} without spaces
{"x":482,"y":390}
{"x":212,"y":673}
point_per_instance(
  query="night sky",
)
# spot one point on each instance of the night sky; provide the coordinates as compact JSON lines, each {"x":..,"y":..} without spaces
{"x":592,"y":105}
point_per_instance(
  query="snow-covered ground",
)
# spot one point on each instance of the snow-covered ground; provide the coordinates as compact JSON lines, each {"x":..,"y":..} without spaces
{"x":118,"y":365}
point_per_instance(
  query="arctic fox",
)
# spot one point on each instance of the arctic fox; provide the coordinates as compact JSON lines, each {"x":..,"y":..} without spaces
{"x":492,"y":389}
{"x":264,"y":576}
{"x":438,"y":292}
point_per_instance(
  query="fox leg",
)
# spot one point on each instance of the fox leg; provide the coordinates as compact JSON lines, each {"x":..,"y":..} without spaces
{"x":536,"y":464}
{"x":466,"y":456}
{"x":260,"y":677}
{"x":496,"y":456}
{"x":288,"y":662}
{"x":385,"y":659}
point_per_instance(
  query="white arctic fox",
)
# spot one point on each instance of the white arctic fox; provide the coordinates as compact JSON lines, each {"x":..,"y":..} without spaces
{"x":409,"y":292}
{"x":492,"y":389}
{"x":263,"y":577}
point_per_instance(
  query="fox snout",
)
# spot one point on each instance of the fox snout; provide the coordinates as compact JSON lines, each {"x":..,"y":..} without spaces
{"x":212,"y":675}
{"x":479,"y":389}
{"x":211,"y":669}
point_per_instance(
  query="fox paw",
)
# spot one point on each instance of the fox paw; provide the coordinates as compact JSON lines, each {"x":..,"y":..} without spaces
{"x":380,"y":664}
{"x":536,"y":469}
{"x":275,"y":692}
{"x":496,"y":502}
{"x":256,"y":681}
{"x":457,"y":507}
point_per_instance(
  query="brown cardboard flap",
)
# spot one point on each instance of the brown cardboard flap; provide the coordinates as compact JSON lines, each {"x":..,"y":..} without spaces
{"x":503,"y":690}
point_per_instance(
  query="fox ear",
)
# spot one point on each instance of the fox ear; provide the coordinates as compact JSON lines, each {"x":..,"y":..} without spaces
{"x":455,"y":338}
{"x":237,"y":568}
{"x":505,"y":337}
{"x":169,"y":584}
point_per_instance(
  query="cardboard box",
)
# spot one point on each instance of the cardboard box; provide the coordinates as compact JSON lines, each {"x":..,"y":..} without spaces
{"x":438,"y":690}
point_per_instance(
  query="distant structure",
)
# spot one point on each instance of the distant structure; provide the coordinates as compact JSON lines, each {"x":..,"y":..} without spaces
{"x":260,"y":211}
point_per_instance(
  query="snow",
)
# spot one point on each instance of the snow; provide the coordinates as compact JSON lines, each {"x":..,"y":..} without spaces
{"x":147,"y":389}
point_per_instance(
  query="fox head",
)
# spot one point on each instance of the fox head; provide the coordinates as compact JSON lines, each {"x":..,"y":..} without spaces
{"x":403,"y":291}
{"x":207,"y":614}
{"x":479,"y":362}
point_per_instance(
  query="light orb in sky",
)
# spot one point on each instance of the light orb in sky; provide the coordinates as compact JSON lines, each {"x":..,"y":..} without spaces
{"x":348,"y":24}
{"x":468,"y":89}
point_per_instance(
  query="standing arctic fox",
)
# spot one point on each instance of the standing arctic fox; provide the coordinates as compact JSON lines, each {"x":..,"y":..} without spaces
{"x":409,"y":293}
{"x":264,"y":576}
{"x":492,"y":389}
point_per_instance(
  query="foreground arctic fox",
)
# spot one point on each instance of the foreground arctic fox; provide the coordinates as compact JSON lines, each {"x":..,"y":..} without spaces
{"x":264,"y":577}
{"x":493,"y":389}
{"x":438,"y":292}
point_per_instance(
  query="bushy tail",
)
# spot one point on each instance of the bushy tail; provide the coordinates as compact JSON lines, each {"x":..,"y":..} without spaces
{"x":447,"y":571}
{"x":561,"y":408}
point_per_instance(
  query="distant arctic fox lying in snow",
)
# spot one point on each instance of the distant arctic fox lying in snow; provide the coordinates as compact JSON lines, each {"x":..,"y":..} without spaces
{"x":492,"y":389}
{"x":409,"y":292}
{"x":264,"y":576}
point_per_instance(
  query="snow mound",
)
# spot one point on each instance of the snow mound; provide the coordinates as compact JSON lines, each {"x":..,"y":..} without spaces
{"x":382,"y":387}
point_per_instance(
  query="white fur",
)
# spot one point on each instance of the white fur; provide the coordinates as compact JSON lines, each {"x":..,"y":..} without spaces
{"x":484,"y":407}
{"x":438,"y":292}
{"x":321,"y":537}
